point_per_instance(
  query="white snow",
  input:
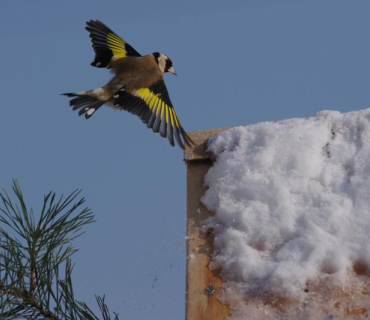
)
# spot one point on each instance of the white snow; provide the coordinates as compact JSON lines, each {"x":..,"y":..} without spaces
{"x":291,"y":201}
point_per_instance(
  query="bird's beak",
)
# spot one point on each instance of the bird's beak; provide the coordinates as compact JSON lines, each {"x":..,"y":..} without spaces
{"x":172,"y":70}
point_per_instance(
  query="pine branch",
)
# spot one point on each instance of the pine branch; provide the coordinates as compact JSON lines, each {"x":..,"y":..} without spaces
{"x":33,"y":250}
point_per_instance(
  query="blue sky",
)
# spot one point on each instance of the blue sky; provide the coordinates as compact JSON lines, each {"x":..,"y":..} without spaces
{"x":238,"y":62}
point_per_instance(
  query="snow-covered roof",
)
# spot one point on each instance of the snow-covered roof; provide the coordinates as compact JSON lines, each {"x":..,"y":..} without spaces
{"x":291,"y":202}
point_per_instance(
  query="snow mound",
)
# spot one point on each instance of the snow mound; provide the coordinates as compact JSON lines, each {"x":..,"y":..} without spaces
{"x":292,"y":201}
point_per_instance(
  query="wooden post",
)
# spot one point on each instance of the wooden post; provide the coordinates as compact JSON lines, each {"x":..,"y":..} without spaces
{"x":203,"y":285}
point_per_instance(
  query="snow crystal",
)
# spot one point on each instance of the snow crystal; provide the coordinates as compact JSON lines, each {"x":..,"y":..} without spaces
{"x":291,"y":201}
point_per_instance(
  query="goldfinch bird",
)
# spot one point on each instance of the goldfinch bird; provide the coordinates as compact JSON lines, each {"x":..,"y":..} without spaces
{"x":137,"y":86}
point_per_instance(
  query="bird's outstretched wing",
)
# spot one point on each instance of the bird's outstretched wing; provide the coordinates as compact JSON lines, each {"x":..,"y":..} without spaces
{"x":107,"y":44}
{"x":154,"y":107}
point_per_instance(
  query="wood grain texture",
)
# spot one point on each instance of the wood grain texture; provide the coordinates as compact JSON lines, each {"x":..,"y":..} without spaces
{"x":203,"y":284}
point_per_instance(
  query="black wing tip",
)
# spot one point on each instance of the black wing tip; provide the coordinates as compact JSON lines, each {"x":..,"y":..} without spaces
{"x":178,"y":140}
{"x":93,"y":23}
{"x":97,"y":25}
{"x":172,"y":143}
{"x":188,"y":141}
{"x":69,"y":94}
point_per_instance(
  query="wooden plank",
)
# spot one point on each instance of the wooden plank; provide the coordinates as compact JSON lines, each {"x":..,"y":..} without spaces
{"x":202,"y":284}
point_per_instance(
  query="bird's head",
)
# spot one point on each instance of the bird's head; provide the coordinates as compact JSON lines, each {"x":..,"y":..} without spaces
{"x":164,"y":63}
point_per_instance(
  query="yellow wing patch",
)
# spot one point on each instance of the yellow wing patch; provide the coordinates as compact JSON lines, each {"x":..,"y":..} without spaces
{"x":117,"y":45}
{"x":147,"y":95}
{"x":154,"y":108}
{"x":157,"y":106}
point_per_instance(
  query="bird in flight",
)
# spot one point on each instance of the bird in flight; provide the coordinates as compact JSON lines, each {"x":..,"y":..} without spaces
{"x":137,"y":86}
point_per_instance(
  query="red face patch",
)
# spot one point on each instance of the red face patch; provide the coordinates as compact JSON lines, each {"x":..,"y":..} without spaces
{"x":168,"y":64}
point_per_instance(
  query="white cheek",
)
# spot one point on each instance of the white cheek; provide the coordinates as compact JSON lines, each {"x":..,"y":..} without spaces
{"x":162,"y":65}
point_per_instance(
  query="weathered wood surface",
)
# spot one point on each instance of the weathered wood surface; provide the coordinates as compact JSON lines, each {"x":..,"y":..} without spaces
{"x":198,"y":150}
{"x":203,"y":284}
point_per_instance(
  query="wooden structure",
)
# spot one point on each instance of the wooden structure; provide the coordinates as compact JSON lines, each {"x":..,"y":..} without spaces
{"x":203,"y":285}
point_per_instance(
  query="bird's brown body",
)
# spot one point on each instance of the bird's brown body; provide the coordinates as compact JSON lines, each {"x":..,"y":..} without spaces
{"x":133,"y":73}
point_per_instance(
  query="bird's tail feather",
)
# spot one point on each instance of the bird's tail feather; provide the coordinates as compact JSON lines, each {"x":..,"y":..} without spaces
{"x":86,"y":103}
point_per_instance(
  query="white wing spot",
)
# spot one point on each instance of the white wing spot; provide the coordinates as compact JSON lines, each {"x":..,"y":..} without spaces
{"x":98,"y":64}
{"x":98,"y":91}
{"x":90,"y":112}
{"x":116,"y":96}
